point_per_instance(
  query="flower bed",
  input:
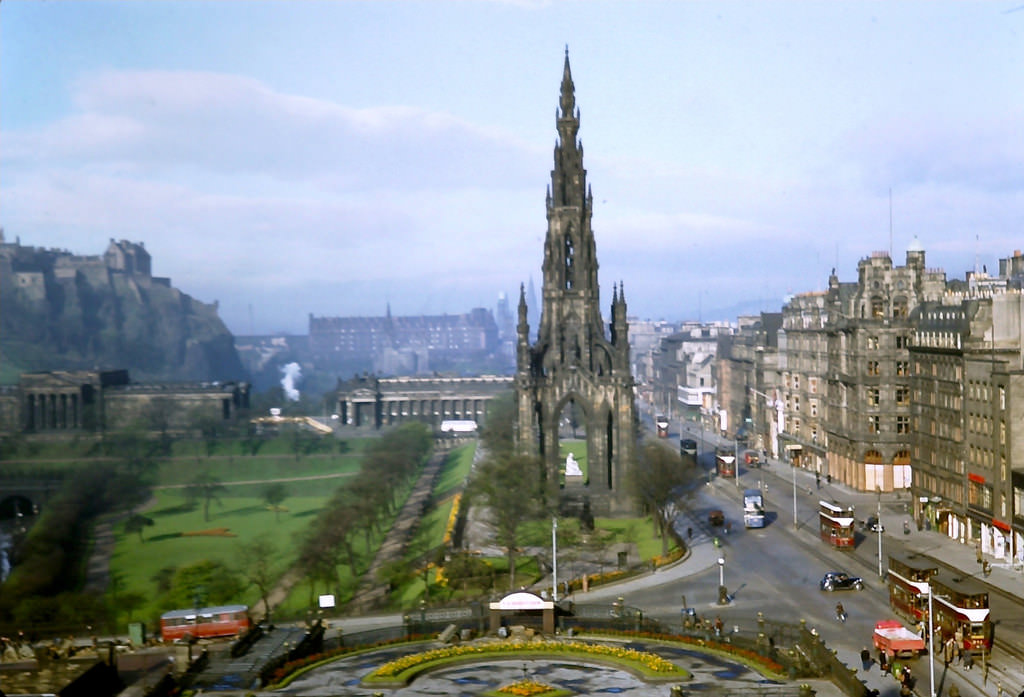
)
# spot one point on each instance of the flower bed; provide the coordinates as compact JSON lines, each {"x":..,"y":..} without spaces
{"x":647,"y":665}
{"x":528,"y":688}
{"x":212,"y":532}
{"x":763,"y":664}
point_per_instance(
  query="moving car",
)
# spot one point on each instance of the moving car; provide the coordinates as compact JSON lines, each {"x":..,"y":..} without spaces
{"x":841,"y":581}
{"x":716,"y":517}
{"x":752,"y":458}
{"x":688,"y":446}
{"x":873,"y":524}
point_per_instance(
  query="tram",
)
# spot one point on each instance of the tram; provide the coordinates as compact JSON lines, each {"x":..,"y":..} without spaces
{"x":725,"y":461}
{"x":908,"y":586}
{"x":958,"y":603}
{"x":836,"y":524}
{"x":962,"y":603}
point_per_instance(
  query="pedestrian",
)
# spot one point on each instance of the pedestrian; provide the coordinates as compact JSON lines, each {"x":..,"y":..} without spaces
{"x":958,"y":638}
{"x":718,"y":625}
{"x":689,"y":533}
{"x":883,"y":661}
{"x":817,"y":479}
{"x":949,"y":650}
{"x":865,"y":658}
{"x":968,"y":660}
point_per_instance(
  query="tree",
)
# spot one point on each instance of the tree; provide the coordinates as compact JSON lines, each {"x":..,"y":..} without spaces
{"x":202,"y":583}
{"x":258,"y":564}
{"x":207,"y":488}
{"x":274,"y":494}
{"x":137,"y":523}
{"x":511,"y":488}
{"x":656,"y":480}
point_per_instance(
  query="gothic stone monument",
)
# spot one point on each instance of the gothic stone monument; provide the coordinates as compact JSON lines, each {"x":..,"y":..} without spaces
{"x":574,"y":359}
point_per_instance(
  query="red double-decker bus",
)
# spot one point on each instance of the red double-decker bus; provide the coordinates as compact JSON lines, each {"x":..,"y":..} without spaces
{"x":836,"y":524}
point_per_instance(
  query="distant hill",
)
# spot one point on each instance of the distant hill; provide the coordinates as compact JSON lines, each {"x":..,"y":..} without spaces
{"x":63,"y":311}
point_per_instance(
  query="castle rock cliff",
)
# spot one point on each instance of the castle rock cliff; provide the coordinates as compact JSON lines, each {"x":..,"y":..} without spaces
{"x":62,"y":311}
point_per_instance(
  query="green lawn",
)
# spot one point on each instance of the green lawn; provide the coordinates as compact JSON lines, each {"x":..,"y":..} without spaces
{"x":136,"y":562}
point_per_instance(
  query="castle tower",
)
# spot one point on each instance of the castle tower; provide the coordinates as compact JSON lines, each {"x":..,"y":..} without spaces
{"x":574,"y":360}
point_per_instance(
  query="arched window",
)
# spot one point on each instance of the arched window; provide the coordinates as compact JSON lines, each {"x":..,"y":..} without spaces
{"x":569,"y":263}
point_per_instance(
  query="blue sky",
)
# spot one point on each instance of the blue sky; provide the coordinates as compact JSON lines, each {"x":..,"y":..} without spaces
{"x":288,"y":158}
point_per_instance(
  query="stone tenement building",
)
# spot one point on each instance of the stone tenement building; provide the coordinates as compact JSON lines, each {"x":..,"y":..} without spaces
{"x":415,"y":344}
{"x":374,"y":402}
{"x":905,"y":381}
{"x":574,"y":361}
{"x":73,"y":403}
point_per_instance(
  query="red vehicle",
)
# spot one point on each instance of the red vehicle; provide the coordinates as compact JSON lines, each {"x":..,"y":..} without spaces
{"x":896,"y":640}
{"x":908,"y":586}
{"x":836,"y":524}
{"x":957,"y":604}
{"x":962,"y":604}
{"x":205,"y":622}
{"x":725,"y":461}
{"x":661,"y":421}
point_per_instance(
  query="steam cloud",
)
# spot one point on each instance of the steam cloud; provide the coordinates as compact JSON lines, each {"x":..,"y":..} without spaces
{"x":292,"y":373}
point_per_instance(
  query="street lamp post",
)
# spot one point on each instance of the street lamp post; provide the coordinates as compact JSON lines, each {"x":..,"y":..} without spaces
{"x":554,"y":556}
{"x":793,"y":466}
{"x":878,"y":516}
{"x":721,"y":571}
{"x":931,"y":645}
{"x":736,"y":461}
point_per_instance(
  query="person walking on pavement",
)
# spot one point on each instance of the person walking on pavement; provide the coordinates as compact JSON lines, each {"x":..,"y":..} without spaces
{"x":958,"y":638}
{"x":883,"y":661}
{"x":840,"y":612}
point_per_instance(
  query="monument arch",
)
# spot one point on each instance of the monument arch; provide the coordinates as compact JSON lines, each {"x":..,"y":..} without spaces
{"x":575,"y":359}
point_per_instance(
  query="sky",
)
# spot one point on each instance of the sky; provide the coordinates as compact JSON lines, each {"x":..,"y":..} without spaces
{"x":336,"y":158}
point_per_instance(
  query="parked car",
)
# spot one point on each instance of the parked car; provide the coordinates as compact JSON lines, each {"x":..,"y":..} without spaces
{"x":841,"y":581}
{"x":716,"y":517}
{"x":688,"y":446}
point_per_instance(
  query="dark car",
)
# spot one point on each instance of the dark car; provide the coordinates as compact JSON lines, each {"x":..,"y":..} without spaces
{"x":841,"y":581}
{"x":716,"y":517}
{"x":873,"y":524}
{"x":688,"y":446}
{"x":752,"y":458}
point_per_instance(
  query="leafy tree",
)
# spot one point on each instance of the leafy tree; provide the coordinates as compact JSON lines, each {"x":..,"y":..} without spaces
{"x":205,"y":487}
{"x":656,"y":480}
{"x":510,"y":486}
{"x":130,"y":601}
{"x":137,"y":523}
{"x":274,"y":494}
{"x":202,"y":583}
{"x":498,"y":432}
{"x":164,"y":578}
{"x":259,"y":565}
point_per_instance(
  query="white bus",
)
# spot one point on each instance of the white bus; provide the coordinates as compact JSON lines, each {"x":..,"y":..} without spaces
{"x":753,"y":508}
